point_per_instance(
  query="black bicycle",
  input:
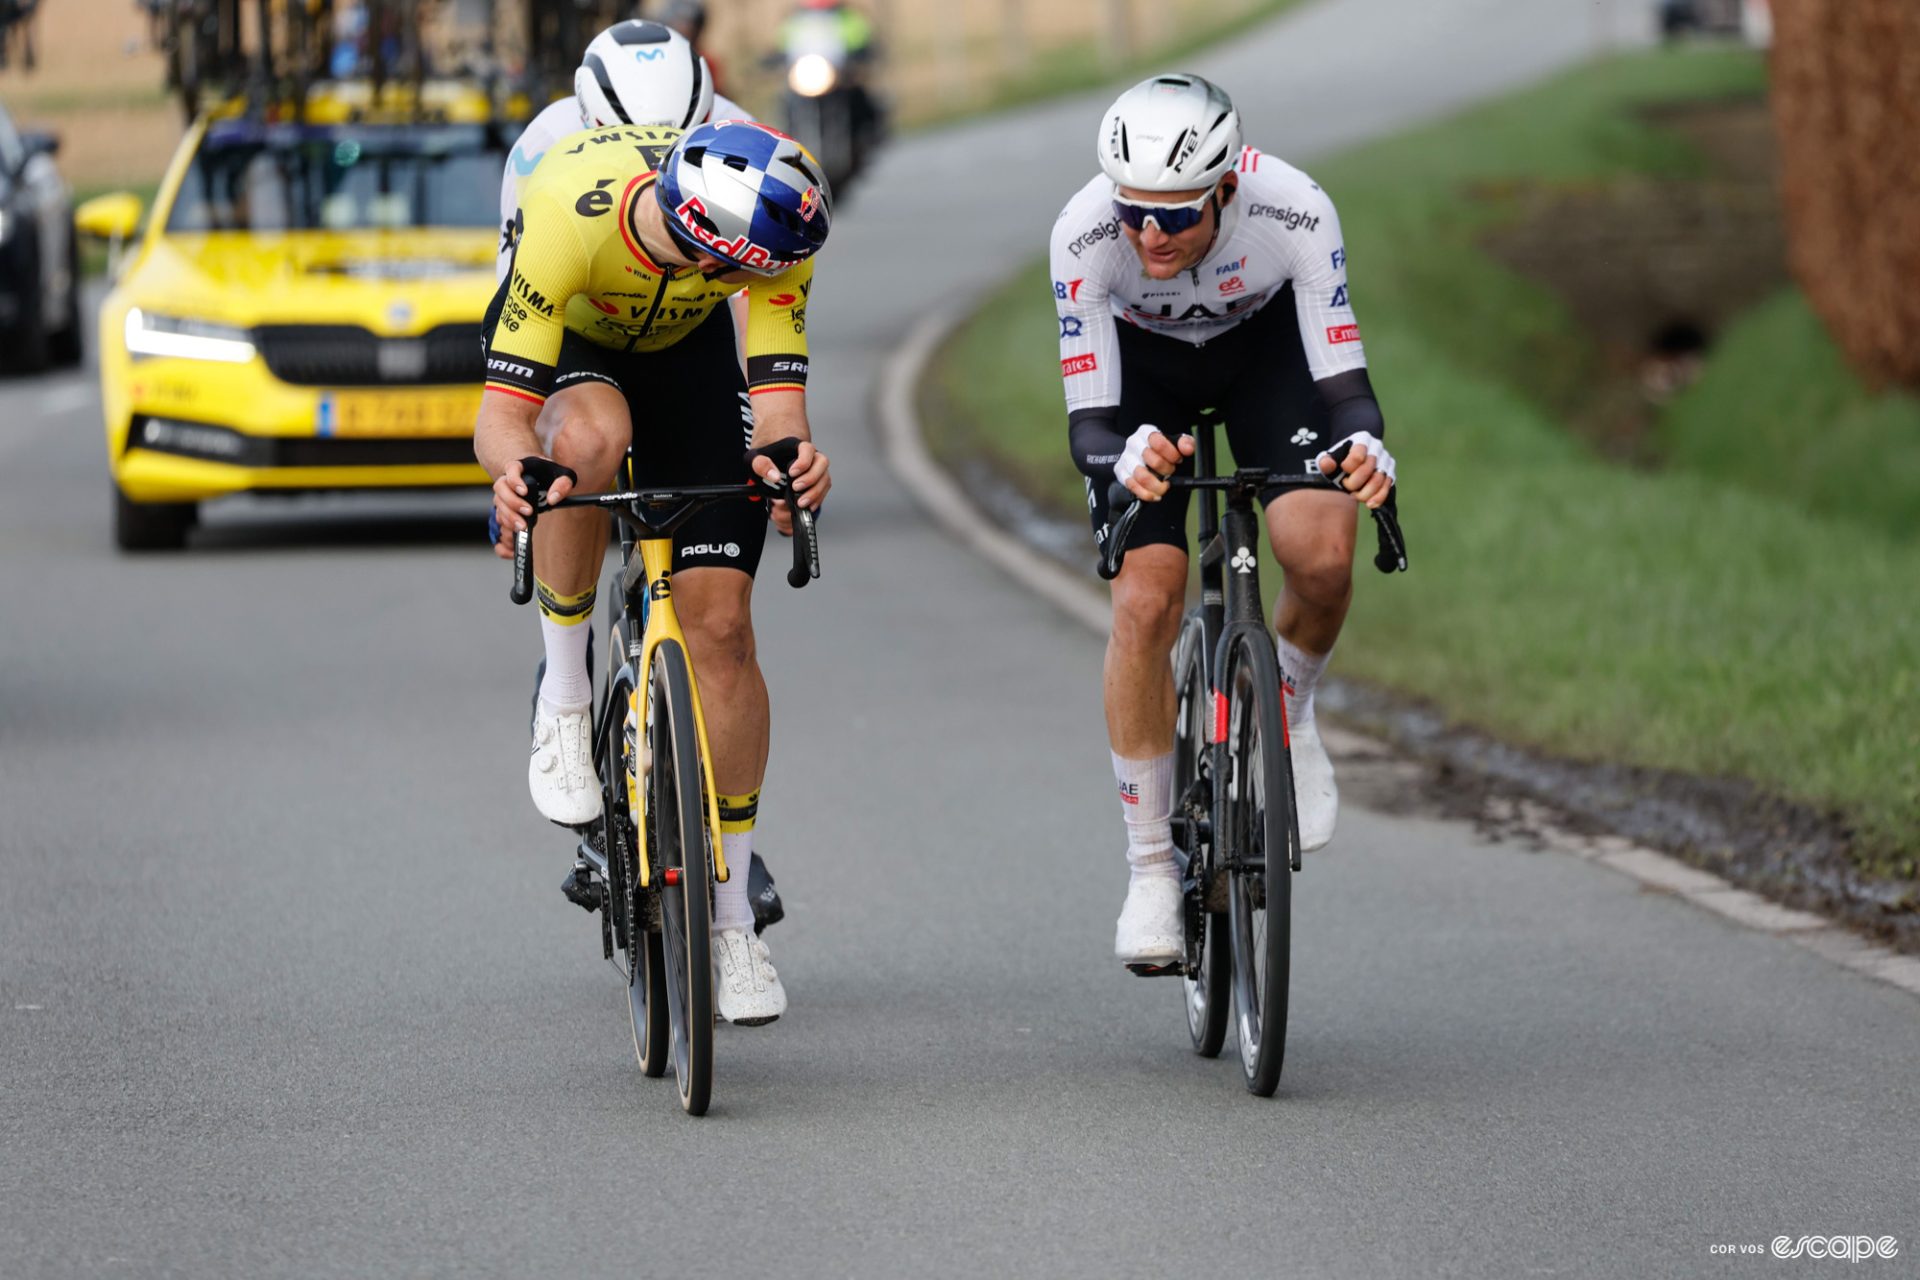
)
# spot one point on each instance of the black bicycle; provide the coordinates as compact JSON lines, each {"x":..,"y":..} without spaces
{"x":654,"y":856}
{"x":1234,"y":820}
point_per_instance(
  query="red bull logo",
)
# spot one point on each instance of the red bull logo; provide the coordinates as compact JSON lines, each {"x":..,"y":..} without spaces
{"x":740,"y":250}
{"x":809,"y":202}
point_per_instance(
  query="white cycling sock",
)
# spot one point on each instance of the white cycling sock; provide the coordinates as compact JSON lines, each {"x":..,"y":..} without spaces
{"x":1146,"y":802}
{"x":731,"y":909}
{"x":1299,"y":677}
{"x":567,"y":686}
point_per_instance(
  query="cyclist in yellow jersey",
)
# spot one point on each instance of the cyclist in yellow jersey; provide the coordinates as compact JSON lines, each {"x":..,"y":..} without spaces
{"x":608,"y":331}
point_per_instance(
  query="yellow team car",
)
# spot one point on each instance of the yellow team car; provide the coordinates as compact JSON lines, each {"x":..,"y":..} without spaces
{"x":303,"y":311}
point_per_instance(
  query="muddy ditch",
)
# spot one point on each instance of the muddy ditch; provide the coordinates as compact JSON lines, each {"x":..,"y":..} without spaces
{"x":1791,"y":853}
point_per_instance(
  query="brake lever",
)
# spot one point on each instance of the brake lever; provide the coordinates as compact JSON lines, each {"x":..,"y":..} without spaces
{"x":1118,"y":531}
{"x":1390,"y":555}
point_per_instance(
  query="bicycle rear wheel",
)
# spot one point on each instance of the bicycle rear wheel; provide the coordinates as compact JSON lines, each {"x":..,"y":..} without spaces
{"x":681,"y":862}
{"x":1205,"y":989}
{"x":1261,"y":833}
{"x":636,"y":919}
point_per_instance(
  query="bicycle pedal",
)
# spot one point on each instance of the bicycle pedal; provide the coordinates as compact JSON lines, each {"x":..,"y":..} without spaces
{"x":582,"y":890}
{"x":1156,"y":969}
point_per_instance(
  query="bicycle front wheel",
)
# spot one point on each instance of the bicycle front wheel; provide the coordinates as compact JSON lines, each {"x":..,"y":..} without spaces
{"x":680,"y":854}
{"x":1206,"y":983}
{"x":633,"y":909}
{"x":1257,"y":846}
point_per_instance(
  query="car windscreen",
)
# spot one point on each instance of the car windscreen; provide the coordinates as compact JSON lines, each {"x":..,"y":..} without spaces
{"x":283,"y":177}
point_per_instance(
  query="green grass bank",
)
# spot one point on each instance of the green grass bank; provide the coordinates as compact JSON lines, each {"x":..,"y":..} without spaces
{"x":1746,"y":609}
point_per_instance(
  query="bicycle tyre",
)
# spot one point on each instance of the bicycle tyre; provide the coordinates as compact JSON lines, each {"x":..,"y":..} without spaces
{"x":638,"y":932}
{"x":1264,"y":830}
{"x":1204,"y":994}
{"x":681,"y":858}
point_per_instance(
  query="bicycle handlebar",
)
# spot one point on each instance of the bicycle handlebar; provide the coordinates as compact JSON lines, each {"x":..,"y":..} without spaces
{"x":806,"y":538}
{"x":1390,"y":557}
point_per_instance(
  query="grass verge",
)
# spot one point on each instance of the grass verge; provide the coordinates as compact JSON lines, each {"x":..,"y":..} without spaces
{"x":1727,"y":616}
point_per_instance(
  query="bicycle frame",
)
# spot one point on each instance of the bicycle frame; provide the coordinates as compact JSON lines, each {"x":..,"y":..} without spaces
{"x":646,"y":585}
{"x":1230,"y":598}
{"x":655,"y":584}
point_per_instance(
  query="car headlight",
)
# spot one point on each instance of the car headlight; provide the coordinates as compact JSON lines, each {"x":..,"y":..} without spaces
{"x":187,"y":339}
{"x":811,"y":75}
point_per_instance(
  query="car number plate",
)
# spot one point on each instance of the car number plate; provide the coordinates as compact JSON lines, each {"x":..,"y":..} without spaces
{"x":396,"y":413}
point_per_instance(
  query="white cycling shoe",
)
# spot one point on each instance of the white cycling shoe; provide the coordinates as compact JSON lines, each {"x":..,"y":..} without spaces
{"x":1150,"y":928}
{"x":560,"y":775}
{"x":745,"y":985}
{"x":1314,"y":792}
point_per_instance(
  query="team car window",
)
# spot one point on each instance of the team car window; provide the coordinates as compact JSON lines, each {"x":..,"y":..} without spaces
{"x":252,"y":177}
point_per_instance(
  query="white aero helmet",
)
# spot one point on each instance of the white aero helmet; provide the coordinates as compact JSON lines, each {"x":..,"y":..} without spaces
{"x":1170,"y":133}
{"x":645,"y":73}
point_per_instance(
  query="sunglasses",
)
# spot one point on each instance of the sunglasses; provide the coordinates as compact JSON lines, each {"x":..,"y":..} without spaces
{"x":1172,"y":219}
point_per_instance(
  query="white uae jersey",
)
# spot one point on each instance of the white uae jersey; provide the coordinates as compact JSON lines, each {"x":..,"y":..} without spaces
{"x":1280,"y":227}
{"x":556,"y":121}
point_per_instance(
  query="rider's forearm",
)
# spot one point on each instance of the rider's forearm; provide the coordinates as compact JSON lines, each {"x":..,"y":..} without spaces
{"x":1351,"y":406}
{"x":504,"y":431}
{"x":779,"y":414}
{"x":1096,"y":442}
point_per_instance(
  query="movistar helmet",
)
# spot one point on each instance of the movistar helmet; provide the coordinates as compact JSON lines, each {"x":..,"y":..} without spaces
{"x":642,"y":73}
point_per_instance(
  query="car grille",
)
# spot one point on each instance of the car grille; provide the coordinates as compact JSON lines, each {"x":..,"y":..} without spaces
{"x":345,"y":355}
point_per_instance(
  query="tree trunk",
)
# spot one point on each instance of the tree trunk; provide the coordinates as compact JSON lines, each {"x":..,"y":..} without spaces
{"x":1846,"y":105}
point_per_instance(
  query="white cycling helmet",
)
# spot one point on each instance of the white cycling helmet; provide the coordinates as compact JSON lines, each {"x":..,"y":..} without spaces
{"x":1170,"y":133}
{"x":643,"y":73}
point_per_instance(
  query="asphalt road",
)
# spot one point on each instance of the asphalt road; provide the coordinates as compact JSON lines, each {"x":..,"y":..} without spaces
{"x":287,"y":989}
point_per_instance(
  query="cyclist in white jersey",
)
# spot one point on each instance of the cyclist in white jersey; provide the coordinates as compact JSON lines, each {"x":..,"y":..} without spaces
{"x":634,"y":72}
{"x":1198,"y":279}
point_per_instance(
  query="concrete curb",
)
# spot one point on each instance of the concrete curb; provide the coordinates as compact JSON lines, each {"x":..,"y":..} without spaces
{"x":908,"y":458}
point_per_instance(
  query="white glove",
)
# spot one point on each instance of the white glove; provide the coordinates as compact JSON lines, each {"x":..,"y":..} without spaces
{"x":1382,"y":460}
{"x":1134,"y":456}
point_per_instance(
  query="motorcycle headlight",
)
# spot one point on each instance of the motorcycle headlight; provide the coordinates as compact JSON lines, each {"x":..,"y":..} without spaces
{"x":811,"y":75}
{"x":186,"y":339}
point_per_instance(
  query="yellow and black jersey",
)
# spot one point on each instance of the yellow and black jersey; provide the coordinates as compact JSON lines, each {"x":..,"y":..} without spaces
{"x":578,"y":264}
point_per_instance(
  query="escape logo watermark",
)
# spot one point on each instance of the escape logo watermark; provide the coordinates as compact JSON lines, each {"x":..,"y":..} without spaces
{"x":1838,"y":1248}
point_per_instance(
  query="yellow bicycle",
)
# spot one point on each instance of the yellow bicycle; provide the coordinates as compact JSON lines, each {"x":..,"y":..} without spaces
{"x":656,"y":852}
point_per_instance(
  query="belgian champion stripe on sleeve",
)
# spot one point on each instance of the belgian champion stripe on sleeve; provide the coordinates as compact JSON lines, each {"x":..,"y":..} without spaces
{"x":515,"y":392}
{"x":519,"y":376}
